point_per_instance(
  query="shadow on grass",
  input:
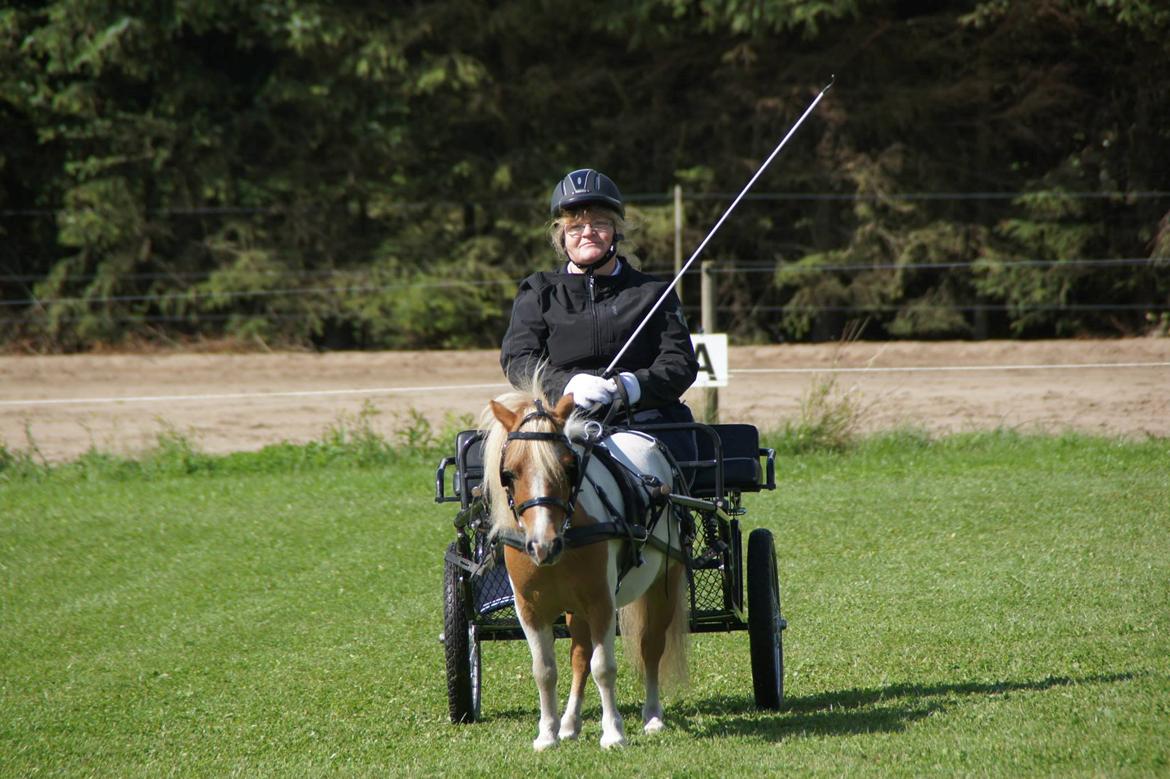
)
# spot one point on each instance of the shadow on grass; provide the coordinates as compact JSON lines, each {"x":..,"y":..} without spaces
{"x":889,"y":709}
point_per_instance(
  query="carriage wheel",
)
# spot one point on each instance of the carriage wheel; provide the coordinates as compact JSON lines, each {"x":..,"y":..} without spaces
{"x":765,"y":625}
{"x":461,"y":645}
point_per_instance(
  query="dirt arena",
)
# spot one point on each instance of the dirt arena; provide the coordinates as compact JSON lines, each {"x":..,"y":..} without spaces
{"x":60,"y":406}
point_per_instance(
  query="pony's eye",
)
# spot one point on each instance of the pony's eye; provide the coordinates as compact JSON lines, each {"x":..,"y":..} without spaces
{"x":507,"y":477}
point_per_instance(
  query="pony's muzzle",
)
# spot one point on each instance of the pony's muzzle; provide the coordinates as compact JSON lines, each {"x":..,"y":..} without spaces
{"x":545,"y":552}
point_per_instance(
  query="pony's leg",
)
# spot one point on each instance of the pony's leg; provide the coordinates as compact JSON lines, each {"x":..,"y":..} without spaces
{"x":603,"y":664}
{"x":661,"y":611}
{"x":544,"y":671}
{"x":579,"y":655}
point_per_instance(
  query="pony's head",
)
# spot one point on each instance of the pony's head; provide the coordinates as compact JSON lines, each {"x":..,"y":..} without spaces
{"x":530,"y":470}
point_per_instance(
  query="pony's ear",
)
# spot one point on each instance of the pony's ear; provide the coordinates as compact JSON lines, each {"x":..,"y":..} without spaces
{"x":563,"y":409}
{"x":503,"y":415}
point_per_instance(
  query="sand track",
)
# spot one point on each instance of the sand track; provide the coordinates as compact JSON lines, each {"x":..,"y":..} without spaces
{"x":227,"y":402}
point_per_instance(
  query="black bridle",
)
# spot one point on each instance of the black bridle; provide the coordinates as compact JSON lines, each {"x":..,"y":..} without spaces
{"x":573,"y":472}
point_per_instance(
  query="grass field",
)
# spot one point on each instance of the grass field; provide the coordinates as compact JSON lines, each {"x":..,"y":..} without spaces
{"x":980,"y":605}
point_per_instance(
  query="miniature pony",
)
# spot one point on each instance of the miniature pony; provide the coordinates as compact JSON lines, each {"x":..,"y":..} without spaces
{"x":531,"y":459}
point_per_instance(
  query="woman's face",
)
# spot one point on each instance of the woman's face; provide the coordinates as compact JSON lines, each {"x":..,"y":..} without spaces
{"x":588,"y":236}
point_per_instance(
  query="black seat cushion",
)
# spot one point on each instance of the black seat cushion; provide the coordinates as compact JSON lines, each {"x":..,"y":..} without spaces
{"x":741,"y":460}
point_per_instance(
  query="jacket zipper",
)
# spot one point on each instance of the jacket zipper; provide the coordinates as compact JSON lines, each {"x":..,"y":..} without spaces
{"x":593,"y":314}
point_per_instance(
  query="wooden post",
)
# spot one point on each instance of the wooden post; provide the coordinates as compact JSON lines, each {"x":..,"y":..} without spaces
{"x":707,"y":295}
{"x":678,"y":224}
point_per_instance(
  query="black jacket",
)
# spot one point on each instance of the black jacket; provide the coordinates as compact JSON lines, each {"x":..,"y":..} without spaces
{"x":575,"y":323}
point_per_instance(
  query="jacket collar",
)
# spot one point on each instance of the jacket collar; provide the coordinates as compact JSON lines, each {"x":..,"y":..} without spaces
{"x":618,"y":271}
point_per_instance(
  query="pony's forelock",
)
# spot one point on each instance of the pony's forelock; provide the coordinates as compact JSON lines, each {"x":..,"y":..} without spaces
{"x":520,"y":401}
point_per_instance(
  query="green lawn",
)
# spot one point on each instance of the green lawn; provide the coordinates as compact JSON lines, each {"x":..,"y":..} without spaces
{"x":988,"y":605}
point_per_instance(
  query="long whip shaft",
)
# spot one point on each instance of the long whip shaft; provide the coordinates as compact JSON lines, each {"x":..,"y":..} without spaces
{"x":707,"y":238}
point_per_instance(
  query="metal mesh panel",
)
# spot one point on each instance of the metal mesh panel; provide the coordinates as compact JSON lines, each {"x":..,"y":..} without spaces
{"x":707,"y":587}
{"x":713,"y":587}
{"x":493,"y":597}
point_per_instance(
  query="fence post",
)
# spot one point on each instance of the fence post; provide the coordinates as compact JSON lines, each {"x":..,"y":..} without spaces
{"x":678,"y":223}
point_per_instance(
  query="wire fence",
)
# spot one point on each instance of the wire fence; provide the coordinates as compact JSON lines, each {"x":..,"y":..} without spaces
{"x":737,"y":267}
{"x":667,"y":197}
{"x":192,"y":299}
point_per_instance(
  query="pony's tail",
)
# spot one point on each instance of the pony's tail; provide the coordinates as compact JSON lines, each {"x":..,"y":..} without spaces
{"x":660,"y":615}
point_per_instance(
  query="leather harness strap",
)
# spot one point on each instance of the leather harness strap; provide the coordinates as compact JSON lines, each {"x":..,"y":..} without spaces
{"x":602,"y":531}
{"x":566,"y":506}
{"x":622,"y":525}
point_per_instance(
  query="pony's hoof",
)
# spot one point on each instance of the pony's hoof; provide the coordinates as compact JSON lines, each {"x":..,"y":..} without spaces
{"x":653,"y":725}
{"x":569,"y":732}
{"x":613,"y":742}
{"x":544,"y":742}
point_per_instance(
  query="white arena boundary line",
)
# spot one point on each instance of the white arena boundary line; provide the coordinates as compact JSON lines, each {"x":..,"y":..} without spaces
{"x":958,"y":368}
{"x":247,"y":395}
{"x":502,"y":385}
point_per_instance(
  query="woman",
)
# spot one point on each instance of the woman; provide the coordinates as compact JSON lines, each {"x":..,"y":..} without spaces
{"x":572,"y":321}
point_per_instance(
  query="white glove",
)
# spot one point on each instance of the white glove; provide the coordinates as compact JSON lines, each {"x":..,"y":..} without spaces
{"x":589,"y":391}
{"x":633,"y":388}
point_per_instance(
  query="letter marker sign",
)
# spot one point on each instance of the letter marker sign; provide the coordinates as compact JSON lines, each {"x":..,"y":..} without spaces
{"x":711,"y":351}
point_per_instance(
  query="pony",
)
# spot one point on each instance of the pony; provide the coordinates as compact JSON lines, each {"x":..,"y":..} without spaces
{"x":533,"y":451}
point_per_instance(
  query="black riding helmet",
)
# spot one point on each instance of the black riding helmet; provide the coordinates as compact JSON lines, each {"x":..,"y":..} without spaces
{"x":585,"y":186}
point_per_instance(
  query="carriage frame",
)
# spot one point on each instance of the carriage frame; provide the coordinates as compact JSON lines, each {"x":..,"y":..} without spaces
{"x":477,"y":596}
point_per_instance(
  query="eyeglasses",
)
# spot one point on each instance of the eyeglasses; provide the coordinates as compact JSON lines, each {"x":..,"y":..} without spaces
{"x":598,"y":225}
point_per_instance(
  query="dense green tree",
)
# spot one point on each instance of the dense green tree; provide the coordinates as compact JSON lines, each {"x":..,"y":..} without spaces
{"x":374,"y":174}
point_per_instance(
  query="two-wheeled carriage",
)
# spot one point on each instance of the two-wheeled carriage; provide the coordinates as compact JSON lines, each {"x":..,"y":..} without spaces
{"x":479,"y":604}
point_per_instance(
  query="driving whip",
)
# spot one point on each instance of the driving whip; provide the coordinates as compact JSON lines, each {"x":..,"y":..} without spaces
{"x":609,"y":371}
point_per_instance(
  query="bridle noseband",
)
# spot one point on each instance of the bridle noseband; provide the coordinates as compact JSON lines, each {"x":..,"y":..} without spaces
{"x":506,"y":478}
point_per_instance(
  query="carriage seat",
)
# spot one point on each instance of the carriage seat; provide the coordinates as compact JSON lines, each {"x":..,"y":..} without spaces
{"x":740,"y":466}
{"x":742,"y":471}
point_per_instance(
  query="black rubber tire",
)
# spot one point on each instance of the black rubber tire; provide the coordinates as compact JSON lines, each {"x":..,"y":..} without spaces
{"x":765,"y":625}
{"x":461,"y":647}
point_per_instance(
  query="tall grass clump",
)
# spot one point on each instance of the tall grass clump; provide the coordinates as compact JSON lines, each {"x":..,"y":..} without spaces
{"x":17,"y":464}
{"x":414,"y":433}
{"x":830,"y":419}
{"x":352,"y":440}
